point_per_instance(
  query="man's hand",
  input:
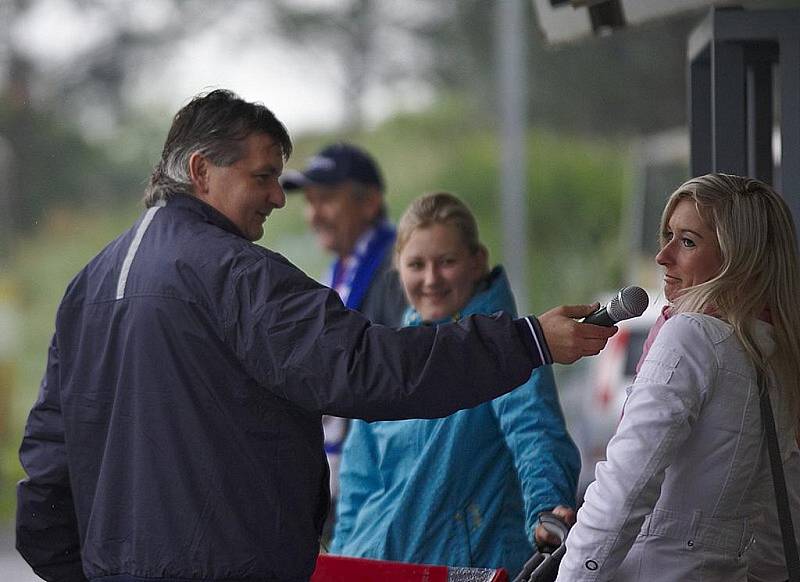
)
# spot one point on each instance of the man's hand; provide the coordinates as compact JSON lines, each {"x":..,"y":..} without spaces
{"x":570,"y":340}
{"x":546,"y":539}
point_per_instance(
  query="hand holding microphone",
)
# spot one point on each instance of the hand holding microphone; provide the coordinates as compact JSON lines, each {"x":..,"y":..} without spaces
{"x":629,"y":302}
{"x":570,"y":340}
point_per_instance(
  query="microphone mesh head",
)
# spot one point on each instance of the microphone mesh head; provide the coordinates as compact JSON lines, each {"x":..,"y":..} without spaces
{"x":629,"y":302}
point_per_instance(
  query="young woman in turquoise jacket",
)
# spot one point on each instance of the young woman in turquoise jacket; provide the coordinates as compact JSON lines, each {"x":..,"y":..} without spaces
{"x":465,"y":490}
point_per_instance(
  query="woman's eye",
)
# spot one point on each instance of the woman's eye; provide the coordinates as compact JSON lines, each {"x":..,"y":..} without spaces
{"x":687,"y":242}
{"x":667,"y":236}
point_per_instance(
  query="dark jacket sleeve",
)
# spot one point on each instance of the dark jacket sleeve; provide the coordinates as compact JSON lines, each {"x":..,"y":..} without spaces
{"x":47,"y":530}
{"x":297,"y":339}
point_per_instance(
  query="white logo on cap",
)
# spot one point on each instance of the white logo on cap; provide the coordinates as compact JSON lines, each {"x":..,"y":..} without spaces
{"x":320,"y":163}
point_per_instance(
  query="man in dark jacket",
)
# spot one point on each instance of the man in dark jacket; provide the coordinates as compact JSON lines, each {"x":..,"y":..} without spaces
{"x":177,"y":432}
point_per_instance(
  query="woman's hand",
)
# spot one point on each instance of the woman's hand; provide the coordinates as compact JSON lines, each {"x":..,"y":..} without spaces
{"x":546,"y":539}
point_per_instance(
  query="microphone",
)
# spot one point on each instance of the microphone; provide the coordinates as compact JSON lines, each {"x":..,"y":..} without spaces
{"x":629,"y":302}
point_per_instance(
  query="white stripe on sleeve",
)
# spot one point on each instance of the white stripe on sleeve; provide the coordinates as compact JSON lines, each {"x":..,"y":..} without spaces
{"x":137,"y":239}
{"x":536,"y":340}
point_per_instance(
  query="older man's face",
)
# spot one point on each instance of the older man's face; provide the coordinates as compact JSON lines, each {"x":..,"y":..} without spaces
{"x":338,"y":216}
{"x":247,"y":191}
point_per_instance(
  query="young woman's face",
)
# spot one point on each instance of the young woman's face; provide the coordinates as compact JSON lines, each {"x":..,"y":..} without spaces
{"x":691,"y":254}
{"x":438,"y":271}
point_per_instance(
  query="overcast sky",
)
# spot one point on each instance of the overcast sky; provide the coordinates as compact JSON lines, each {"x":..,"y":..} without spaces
{"x":300,"y":83}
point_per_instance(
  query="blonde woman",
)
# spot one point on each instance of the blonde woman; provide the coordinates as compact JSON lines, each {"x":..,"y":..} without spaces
{"x":465,"y":490}
{"x":686,"y":490}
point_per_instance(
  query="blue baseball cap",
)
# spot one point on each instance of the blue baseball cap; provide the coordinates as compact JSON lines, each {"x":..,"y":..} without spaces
{"x":333,"y":165}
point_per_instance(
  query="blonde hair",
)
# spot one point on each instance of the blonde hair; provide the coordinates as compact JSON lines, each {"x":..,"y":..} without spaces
{"x":438,"y":208}
{"x":758,"y":246}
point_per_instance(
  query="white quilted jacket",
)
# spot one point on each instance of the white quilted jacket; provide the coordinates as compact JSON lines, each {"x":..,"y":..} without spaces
{"x":686,"y":492}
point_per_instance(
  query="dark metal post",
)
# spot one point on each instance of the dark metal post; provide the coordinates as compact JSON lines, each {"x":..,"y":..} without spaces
{"x":731,"y":57}
{"x":760,"y":163}
{"x":728,"y":119}
{"x":790,"y":122}
{"x":700,"y":114}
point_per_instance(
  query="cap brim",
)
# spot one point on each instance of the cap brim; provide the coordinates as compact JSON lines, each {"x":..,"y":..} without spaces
{"x":292,"y":180}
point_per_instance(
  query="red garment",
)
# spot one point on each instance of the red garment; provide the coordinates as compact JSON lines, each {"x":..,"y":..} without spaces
{"x":651,"y":337}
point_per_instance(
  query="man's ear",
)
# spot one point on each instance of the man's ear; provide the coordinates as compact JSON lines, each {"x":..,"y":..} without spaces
{"x":198,"y":173}
{"x":372,"y":203}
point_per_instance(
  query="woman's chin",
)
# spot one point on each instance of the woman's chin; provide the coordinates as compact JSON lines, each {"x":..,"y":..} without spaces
{"x":671,"y":292}
{"x":433,"y":314}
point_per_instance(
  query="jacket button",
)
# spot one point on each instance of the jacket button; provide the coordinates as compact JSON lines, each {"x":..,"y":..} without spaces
{"x":690,"y":543}
{"x":591,"y":565}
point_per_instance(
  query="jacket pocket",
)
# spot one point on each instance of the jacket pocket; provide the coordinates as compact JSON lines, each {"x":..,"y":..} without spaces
{"x":659,"y":365}
{"x":676,"y":546}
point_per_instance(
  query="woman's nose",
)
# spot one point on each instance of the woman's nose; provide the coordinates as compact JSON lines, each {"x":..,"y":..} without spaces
{"x":664,"y":256}
{"x":431,"y":275}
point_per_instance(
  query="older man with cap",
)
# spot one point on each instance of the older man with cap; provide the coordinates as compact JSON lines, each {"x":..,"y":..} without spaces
{"x":345,"y":207}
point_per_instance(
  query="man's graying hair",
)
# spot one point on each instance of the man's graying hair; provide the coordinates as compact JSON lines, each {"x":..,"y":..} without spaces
{"x":214,"y":125}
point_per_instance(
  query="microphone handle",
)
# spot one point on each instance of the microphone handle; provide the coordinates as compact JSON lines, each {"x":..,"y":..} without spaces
{"x":600,"y":317}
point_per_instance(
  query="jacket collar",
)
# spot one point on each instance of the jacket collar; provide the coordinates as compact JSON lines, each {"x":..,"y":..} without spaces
{"x":207,"y":212}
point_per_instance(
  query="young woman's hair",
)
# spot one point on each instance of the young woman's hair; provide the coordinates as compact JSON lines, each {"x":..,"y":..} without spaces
{"x":438,"y":208}
{"x":760,"y":272}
